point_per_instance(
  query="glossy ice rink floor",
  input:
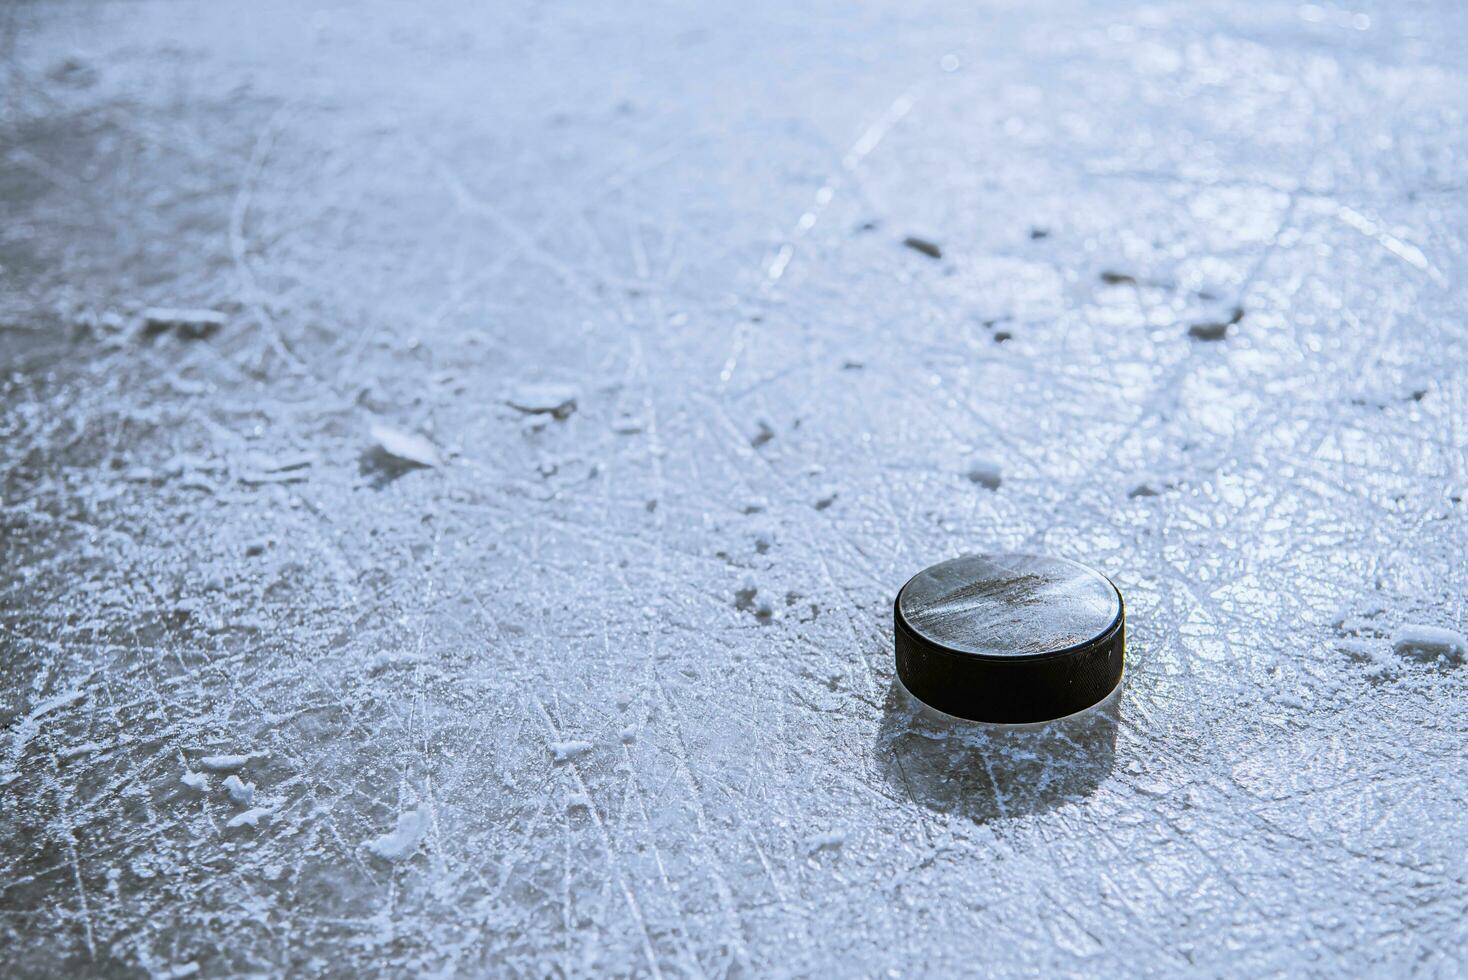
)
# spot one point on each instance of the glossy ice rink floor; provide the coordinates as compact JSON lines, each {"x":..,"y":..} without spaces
{"x":608,"y":688}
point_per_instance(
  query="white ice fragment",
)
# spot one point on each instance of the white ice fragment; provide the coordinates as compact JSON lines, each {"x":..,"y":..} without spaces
{"x":250,"y":818}
{"x":255,"y":478}
{"x":239,"y":792}
{"x":1428,"y":642}
{"x":984,"y":472}
{"x":183,"y":463}
{"x":404,"y":838}
{"x":190,"y":324}
{"x":187,"y":386}
{"x":180,"y":972}
{"x":262,"y":468}
{"x":627,"y":425}
{"x":830,"y":840}
{"x":544,"y":399}
{"x":284,"y":462}
{"x":229,"y":763}
{"x":75,"y":751}
{"x":195,"y":781}
{"x":578,"y":801}
{"x":1151,"y":786}
{"x":628,"y":734}
{"x":406,"y":446}
{"x":53,"y":704}
{"x":566,"y":751}
{"x":387,"y":661}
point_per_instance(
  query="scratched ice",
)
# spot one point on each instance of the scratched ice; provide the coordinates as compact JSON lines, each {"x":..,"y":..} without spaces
{"x":324,"y":657}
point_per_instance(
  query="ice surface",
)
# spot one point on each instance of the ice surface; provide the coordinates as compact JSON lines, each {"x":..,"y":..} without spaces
{"x":694,"y":216}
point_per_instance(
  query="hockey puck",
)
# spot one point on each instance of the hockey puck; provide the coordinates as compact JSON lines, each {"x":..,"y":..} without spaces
{"x":1009,"y":638}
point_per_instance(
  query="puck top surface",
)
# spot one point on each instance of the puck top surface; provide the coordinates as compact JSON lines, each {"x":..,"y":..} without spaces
{"x":1009,"y":606}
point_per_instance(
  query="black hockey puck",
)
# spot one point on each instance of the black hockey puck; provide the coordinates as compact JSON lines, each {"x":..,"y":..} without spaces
{"x":1009,"y":638}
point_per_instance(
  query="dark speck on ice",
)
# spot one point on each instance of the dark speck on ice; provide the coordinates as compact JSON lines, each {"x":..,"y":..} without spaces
{"x":189,"y":324}
{"x":1216,"y":329}
{"x":924,"y":246}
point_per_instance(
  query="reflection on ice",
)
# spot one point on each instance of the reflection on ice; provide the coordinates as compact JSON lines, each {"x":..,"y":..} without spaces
{"x":987,"y":772}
